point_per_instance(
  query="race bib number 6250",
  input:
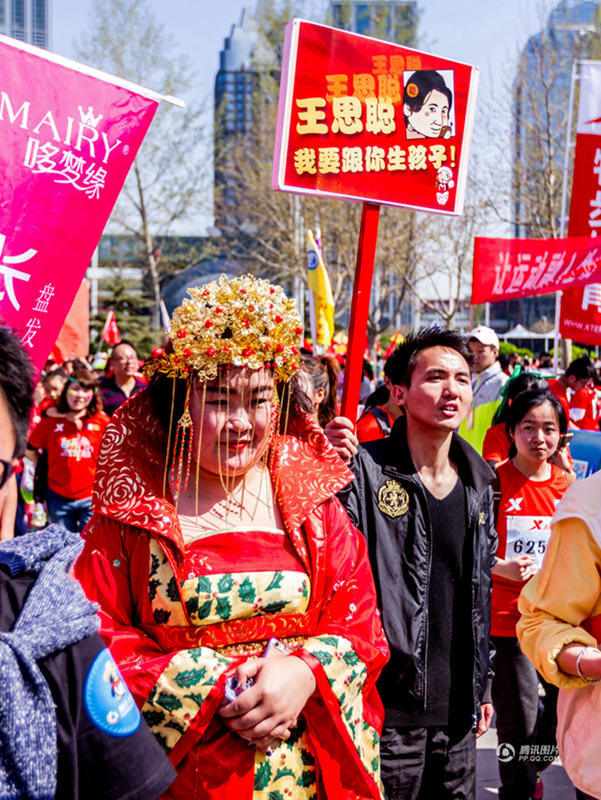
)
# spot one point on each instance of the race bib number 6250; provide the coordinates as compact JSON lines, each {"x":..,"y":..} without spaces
{"x":528,"y":536}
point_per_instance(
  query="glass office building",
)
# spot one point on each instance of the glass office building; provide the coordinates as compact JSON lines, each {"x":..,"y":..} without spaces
{"x":26,"y":20}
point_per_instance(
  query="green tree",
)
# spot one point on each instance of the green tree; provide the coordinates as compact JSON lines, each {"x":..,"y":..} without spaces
{"x":167,"y":182}
{"x":131,"y":309}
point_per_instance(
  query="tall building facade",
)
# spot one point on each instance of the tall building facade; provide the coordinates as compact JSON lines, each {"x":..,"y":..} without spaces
{"x":392,"y":20}
{"x":26,"y":20}
{"x":246,"y":54}
{"x":245,"y":58}
{"x":541,"y":108}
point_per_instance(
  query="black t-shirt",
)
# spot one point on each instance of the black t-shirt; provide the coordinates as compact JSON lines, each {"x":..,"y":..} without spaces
{"x":113,"y":396}
{"x":450,"y":650}
{"x":91,"y":762}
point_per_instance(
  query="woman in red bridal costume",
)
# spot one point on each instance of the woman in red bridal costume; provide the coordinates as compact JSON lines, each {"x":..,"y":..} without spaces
{"x":235,"y":594}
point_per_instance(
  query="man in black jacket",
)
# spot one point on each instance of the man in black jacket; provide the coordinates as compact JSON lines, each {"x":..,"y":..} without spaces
{"x":423,"y":500}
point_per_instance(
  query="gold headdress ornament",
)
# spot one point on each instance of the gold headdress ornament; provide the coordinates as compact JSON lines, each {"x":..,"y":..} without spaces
{"x":233,"y":322}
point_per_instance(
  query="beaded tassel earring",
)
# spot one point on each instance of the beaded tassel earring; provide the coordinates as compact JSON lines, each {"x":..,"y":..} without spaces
{"x":166,"y":468}
{"x":182,"y":457}
{"x":269,"y":456}
{"x":199,"y":445}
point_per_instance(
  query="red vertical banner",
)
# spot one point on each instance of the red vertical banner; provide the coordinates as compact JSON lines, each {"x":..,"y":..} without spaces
{"x":68,"y":136}
{"x":581,"y":308}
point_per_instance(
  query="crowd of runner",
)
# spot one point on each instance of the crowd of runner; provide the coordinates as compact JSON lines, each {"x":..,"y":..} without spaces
{"x":232,"y":519}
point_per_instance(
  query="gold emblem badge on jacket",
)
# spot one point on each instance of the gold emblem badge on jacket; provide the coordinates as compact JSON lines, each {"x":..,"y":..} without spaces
{"x":393,"y":500}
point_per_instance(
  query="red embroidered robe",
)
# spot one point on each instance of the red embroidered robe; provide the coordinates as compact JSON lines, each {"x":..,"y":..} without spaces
{"x":177,"y":627}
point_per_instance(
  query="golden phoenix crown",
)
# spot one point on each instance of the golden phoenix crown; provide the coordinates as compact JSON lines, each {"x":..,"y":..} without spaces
{"x":233,"y":322}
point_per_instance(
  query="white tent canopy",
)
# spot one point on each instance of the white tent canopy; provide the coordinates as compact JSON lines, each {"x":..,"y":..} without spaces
{"x":519,"y":332}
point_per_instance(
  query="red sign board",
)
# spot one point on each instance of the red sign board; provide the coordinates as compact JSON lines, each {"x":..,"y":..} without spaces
{"x":68,"y":136}
{"x":507,"y":269}
{"x":367,"y":120}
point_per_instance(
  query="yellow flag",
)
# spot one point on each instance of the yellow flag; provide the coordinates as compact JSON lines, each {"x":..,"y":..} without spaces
{"x":319,"y":283}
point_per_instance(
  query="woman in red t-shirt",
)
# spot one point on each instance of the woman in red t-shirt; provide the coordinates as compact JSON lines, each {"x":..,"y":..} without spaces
{"x":530,"y":488}
{"x":496,"y":442}
{"x":71,"y":434}
{"x":583,"y":409}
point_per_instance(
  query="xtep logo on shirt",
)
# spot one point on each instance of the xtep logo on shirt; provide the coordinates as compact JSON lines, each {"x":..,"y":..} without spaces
{"x":514,"y":504}
{"x":59,"y":427}
{"x":76,"y":448}
{"x":540,"y":524}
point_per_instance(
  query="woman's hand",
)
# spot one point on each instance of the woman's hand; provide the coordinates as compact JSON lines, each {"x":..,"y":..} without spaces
{"x":267,"y":711}
{"x":561,"y":459}
{"x":515,"y":569}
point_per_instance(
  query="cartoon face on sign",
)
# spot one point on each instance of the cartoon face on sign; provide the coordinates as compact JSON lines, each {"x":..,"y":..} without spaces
{"x":427,"y":105}
{"x":444,"y":182}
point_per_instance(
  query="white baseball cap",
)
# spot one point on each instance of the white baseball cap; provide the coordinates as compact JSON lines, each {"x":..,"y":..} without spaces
{"x":485,"y":335}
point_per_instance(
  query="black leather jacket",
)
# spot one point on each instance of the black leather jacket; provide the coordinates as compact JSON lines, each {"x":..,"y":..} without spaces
{"x":387,"y":503}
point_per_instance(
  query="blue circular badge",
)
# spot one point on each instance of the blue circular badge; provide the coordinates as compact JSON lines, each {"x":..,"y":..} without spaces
{"x":312,"y":260}
{"x":107,"y":699}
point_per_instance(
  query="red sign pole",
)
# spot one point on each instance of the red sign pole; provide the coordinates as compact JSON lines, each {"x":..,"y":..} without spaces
{"x":364,"y":270}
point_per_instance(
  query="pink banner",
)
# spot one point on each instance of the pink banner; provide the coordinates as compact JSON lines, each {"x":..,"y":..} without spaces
{"x":68,"y":137}
{"x":506,"y":269}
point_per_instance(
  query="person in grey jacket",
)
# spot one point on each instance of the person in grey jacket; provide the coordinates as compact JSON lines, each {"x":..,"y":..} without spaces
{"x":69,"y":727}
{"x":422,"y":497}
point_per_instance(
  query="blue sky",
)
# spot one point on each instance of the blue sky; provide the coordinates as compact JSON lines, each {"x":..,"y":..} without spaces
{"x":487,"y":33}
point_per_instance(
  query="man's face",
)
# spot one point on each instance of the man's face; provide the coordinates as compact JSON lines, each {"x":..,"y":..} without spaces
{"x":484,"y":355}
{"x":440,"y":393}
{"x":125,"y":361}
{"x":7,"y":440}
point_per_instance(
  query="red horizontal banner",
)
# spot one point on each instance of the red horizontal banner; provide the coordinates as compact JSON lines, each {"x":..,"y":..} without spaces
{"x":506,"y":269}
{"x":368,"y":120}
